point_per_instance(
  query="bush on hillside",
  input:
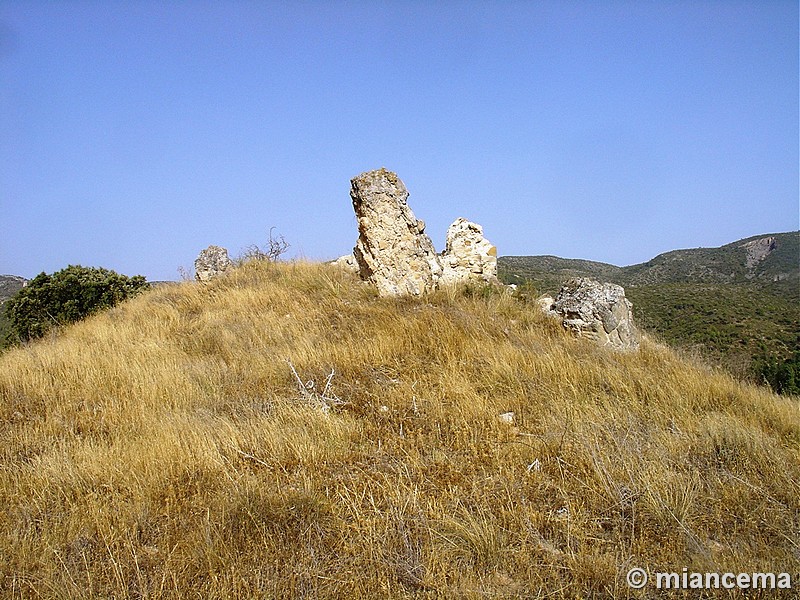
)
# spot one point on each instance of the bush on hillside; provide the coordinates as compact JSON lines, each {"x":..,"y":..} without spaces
{"x":782,"y":376}
{"x":271,"y":251}
{"x":65,"y":297}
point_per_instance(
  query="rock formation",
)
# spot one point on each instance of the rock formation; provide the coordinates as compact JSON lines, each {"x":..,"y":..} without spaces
{"x":211,"y":262}
{"x":598,"y":311}
{"x":393,"y":252}
{"x":347,"y":262}
{"x":758,"y":250}
{"x":468,"y":255}
{"x":546,"y":303}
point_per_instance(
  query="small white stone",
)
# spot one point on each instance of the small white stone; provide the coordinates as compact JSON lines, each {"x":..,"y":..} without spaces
{"x":506,"y":417}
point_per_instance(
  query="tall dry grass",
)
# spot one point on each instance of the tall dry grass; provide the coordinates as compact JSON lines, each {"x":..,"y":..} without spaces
{"x":165,"y":449}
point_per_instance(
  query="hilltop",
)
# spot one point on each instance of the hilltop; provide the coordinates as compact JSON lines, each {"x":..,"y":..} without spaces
{"x":734,"y":263}
{"x":738,"y":305}
{"x":284,"y":432}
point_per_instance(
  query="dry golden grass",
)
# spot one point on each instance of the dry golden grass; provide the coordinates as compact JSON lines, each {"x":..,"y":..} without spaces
{"x":164,"y":449}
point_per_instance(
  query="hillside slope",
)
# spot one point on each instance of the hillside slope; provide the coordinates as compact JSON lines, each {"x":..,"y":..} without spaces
{"x":768,"y":258}
{"x":738,"y":305}
{"x":283,"y":432}
{"x":10,"y":285}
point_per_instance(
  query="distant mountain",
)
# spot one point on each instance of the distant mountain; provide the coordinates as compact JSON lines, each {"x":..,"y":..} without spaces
{"x":738,"y":305}
{"x":772,"y":258}
{"x":762,"y":258}
{"x":9,"y":285}
{"x":548,"y":273}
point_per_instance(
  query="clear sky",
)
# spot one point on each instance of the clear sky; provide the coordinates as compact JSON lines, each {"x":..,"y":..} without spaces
{"x":135,"y":134}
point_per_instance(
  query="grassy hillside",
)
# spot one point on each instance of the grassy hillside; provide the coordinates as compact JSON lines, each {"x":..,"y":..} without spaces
{"x":285,"y":433}
{"x":705,"y":300}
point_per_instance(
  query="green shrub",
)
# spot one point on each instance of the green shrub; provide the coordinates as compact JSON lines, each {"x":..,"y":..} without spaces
{"x":65,"y":297}
{"x":782,"y":376}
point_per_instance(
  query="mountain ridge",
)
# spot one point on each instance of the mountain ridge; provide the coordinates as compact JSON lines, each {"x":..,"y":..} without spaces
{"x":722,"y":264}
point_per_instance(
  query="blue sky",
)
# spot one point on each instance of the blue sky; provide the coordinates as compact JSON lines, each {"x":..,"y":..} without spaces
{"x":134,"y":134}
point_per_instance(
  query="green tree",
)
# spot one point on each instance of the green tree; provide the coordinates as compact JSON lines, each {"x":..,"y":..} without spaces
{"x":782,"y":376}
{"x":65,"y":297}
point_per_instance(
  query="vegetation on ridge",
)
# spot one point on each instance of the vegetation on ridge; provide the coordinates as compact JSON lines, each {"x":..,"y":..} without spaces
{"x":165,"y":449}
{"x":65,"y":297}
{"x":706,"y":301}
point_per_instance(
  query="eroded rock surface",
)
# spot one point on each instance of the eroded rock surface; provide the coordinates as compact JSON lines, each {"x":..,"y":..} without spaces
{"x":758,"y":250}
{"x":546,"y":303}
{"x":598,"y":311}
{"x":393,"y":252}
{"x":468,"y":255}
{"x":212,"y":262}
{"x":347,"y":262}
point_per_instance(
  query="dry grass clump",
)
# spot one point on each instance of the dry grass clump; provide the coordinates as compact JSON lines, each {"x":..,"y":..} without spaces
{"x":166,"y":449}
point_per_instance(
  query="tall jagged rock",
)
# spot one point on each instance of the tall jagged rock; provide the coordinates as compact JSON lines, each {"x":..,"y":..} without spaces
{"x":468,"y":255}
{"x":598,"y":311}
{"x":212,"y":262}
{"x":393,"y":252}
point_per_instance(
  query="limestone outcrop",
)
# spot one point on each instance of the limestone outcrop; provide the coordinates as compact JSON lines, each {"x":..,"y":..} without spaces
{"x":212,"y":262}
{"x":758,"y":250}
{"x":468,"y":255}
{"x":598,"y":311}
{"x":546,"y":303}
{"x":393,"y":252}
{"x":347,"y":262}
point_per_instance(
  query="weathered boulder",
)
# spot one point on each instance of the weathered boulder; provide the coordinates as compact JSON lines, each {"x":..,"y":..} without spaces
{"x":212,"y":262}
{"x":347,"y":262}
{"x":546,"y":304}
{"x":393,"y":252}
{"x":598,"y":311}
{"x":468,"y":255}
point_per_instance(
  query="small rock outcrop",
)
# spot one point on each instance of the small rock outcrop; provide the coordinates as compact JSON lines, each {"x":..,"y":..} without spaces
{"x":598,"y":311}
{"x":347,"y":262}
{"x":468,"y":255}
{"x":212,"y":262}
{"x":758,"y":250}
{"x":546,"y":304}
{"x":393,"y":252}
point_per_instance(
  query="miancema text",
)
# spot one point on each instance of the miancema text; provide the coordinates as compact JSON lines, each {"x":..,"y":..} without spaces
{"x":742,"y":581}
